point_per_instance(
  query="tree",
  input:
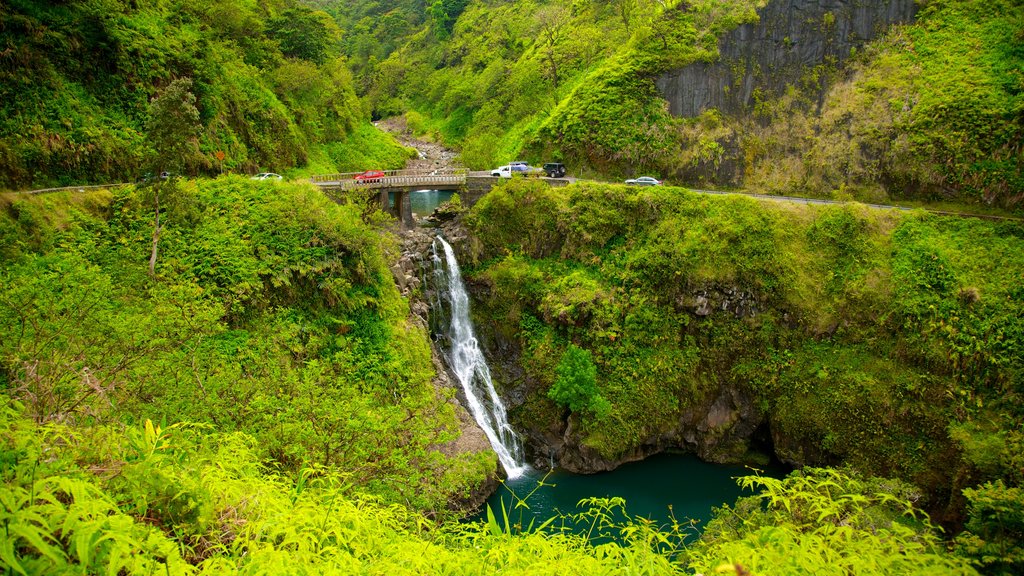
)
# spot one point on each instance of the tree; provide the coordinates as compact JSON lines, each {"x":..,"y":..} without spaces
{"x":444,"y":13}
{"x":552,"y":22}
{"x":307,"y":34}
{"x":994,"y":535}
{"x":173,"y":130}
{"x":576,"y":383}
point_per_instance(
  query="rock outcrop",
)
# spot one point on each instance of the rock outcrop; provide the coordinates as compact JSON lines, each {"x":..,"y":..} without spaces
{"x":719,"y":428}
{"x":410,"y":274}
{"x":792,"y":38}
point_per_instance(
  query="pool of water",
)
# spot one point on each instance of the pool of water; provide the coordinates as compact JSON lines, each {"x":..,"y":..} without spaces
{"x":423,"y":202}
{"x":660,"y":488}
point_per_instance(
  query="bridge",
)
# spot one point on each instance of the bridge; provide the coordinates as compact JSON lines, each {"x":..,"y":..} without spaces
{"x":471,"y":186}
{"x":343,"y":186}
{"x":394,"y":180}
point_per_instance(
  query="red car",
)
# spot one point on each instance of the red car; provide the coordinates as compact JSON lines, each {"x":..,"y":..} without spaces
{"x":369,"y":176}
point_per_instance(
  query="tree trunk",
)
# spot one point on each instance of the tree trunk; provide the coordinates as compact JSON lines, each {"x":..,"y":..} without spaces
{"x":156,"y":235}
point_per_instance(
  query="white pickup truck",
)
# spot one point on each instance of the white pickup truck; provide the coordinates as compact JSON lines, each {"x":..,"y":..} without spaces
{"x":517,"y":169}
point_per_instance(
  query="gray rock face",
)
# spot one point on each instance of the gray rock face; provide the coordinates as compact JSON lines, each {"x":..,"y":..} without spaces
{"x":715,"y":297}
{"x":792,"y":37}
{"x":719,"y":428}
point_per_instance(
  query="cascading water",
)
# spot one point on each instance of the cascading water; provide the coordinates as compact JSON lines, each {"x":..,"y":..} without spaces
{"x":469,"y":365}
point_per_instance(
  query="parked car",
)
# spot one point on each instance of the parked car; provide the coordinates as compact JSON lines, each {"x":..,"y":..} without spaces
{"x":644,"y":181}
{"x":267,"y":176}
{"x":507,"y":171}
{"x":554,"y":170}
{"x":517,"y":169}
{"x":370,"y":176}
{"x":149,"y":177}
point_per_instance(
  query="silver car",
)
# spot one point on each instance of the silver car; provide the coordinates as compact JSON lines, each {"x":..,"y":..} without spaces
{"x":644,"y":181}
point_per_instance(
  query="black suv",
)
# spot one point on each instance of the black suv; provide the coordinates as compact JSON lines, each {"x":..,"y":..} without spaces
{"x":554,"y":170}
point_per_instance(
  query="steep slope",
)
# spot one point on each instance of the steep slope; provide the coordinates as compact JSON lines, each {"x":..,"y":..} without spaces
{"x":271,"y":312}
{"x":272,"y":92}
{"x":880,"y":339}
{"x":930,"y":110}
{"x":781,"y":96}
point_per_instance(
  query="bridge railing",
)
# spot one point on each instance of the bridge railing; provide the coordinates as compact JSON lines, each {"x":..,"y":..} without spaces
{"x":393,"y":178}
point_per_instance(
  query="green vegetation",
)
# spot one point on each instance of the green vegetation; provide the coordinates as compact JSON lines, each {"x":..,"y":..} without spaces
{"x":298,"y":428}
{"x":220,"y":376}
{"x":931,"y":111}
{"x":183,"y":500}
{"x":271,"y":311}
{"x":822,"y":521}
{"x":178,"y":500}
{"x":576,"y":383}
{"x":887,"y":340}
{"x":269,"y":82}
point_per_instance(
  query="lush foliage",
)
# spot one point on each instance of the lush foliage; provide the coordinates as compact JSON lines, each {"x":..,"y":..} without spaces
{"x":930,"y":111}
{"x":269,"y":83}
{"x":183,"y":500}
{"x":995,"y":533}
{"x":887,"y":340}
{"x":178,"y":500}
{"x":272,"y":311}
{"x":172,"y":126}
{"x":822,"y":521}
{"x":576,"y":383}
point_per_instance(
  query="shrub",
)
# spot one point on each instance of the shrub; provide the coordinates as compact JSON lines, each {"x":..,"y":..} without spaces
{"x":576,"y":384}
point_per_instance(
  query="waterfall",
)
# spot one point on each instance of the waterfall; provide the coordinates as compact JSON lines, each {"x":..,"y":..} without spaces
{"x":468,"y":363}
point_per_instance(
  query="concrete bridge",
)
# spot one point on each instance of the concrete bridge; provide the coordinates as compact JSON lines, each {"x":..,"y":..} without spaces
{"x":471,"y":186}
{"x":394,"y":180}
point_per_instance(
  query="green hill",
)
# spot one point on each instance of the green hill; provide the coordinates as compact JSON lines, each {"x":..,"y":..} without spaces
{"x":929,"y":111}
{"x":209,"y":374}
{"x":271,"y":87}
{"x":261,"y":405}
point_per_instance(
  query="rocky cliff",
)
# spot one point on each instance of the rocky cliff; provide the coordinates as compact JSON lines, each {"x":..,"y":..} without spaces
{"x":723,"y":425}
{"x":792,"y":39}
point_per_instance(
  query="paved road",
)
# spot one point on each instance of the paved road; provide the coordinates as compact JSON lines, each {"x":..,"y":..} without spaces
{"x":801,"y":200}
{"x":798,"y":199}
{"x":571,"y":180}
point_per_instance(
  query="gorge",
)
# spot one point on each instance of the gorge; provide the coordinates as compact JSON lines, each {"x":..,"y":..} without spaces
{"x":211,"y":373}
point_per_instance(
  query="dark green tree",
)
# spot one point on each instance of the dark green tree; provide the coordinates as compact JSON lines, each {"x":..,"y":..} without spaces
{"x":994,"y":535}
{"x":173,"y":126}
{"x":576,"y":383}
{"x":173,"y":130}
{"x":307,"y":34}
{"x":443,"y":14}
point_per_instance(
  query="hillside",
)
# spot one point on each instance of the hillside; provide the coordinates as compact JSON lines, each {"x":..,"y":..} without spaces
{"x":884,"y":340}
{"x":849,"y":103}
{"x":202,"y":373}
{"x":262,"y":405}
{"x":271,"y":312}
{"x":272,"y":90}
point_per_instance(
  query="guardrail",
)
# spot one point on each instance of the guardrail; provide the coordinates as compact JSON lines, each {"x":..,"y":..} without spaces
{"x":73,"y":188}
{"x":392,"y":178}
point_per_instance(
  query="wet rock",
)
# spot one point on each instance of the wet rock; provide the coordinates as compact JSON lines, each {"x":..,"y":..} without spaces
{"x":410,"y":272}
{"x":706,"y":300}
{"x":702,"y":306}
{"x":719,"y":428}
